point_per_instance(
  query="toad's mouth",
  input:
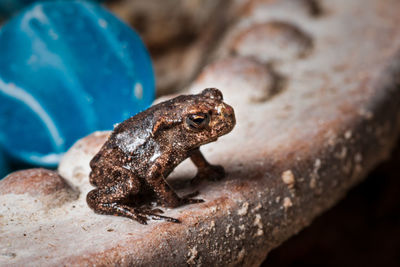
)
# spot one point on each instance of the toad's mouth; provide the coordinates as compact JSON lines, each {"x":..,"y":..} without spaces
{"x":222,"y":128}
{"x":226,"y":121}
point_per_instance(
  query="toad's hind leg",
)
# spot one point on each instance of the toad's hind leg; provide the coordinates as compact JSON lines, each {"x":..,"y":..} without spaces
{"x":111,"y":199}
{"x":106,"y":201}
{"x":103,"y":204}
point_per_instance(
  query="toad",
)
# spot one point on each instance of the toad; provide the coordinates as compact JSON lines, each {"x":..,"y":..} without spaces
{"x":131,"y":168}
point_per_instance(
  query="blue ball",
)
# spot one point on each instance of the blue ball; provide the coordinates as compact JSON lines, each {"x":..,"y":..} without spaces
{"x":67,"y":69}
{"x":8,"y":7}
{"x":4,"y":169}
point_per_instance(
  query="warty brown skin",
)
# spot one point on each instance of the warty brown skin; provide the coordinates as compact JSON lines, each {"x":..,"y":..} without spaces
{"x":130,"y":169}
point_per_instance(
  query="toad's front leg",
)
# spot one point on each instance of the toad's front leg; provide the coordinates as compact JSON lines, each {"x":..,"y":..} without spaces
{"x":204,"y":169}
{"x":163,"y":191}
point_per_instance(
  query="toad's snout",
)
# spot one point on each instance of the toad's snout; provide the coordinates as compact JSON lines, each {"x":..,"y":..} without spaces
{"x":227,"y":115}
{"x":228,"y":112}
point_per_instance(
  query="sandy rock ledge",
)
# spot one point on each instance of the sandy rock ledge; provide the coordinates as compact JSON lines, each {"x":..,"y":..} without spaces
{"x":310,"y":125}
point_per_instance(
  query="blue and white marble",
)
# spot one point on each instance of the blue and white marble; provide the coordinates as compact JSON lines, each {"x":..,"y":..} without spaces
{"x":67,"y":69}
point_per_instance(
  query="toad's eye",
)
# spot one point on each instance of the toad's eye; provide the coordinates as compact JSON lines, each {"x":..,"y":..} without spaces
{"x":198,"y":121}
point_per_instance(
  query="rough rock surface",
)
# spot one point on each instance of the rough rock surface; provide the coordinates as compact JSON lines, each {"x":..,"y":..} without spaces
{"x":309,"y":127}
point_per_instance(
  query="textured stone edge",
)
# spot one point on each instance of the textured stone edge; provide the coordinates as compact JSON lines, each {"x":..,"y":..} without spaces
{"x":212,"y":240}
{"x":373,"y":138}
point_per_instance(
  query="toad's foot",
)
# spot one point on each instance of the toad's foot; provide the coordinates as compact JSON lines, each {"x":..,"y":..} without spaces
{"x":181,"y":201}
{"x":142,"y":215}
{"x":211,"y":172}
{"x":188,"y":199}
{"x":137,"y":214}
{"x":153,"y":215}
{"x":152,"y":210}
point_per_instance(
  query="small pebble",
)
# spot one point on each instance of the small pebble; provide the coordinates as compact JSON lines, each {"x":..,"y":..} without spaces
{"x":288,"y":178}
{"x":287,"y":203}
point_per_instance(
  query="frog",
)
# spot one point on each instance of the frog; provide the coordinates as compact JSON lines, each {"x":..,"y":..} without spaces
{"x":129,"y":172}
